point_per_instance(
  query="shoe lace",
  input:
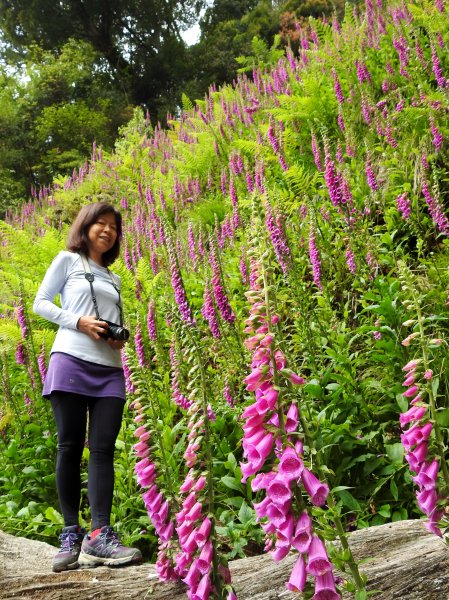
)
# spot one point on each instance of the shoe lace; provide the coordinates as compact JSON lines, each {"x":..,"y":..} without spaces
{"x":68,"y":540}
{"x":111,"y":538}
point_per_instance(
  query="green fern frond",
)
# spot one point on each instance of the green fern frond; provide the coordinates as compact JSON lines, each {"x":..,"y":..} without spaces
{"x":299,"y":180}
{"x":187,"y":104}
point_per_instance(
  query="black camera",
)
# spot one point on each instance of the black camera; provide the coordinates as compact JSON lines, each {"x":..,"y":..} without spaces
{"x":114,"y":332}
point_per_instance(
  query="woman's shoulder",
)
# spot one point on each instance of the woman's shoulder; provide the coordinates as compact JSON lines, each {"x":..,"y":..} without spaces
{"x":67,"y":256}
{"x":65,"y":260}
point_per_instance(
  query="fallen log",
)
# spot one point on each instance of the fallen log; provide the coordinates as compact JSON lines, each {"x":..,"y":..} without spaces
{"x":401,"y":560}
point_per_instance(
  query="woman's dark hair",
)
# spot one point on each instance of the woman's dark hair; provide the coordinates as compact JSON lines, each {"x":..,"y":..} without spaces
{"x":77,"y":240}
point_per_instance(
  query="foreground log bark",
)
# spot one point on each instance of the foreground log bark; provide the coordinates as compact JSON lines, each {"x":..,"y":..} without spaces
{"x":403,"y":562}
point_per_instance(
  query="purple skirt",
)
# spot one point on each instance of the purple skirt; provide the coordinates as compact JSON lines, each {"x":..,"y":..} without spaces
{"x":69,"y":374}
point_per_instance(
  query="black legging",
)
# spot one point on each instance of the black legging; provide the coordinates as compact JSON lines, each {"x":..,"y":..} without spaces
{"x":105,"y":417}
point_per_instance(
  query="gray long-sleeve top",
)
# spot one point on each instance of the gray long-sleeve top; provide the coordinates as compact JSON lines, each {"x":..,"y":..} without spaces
{"x":65,"y":276}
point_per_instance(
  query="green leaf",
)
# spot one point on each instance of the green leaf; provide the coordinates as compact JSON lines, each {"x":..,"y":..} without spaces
{"x":314,"y":389}
{"x":385,"y":511}
{"x":442,"y":417}
{"x":231,"y":462}
{"x":402,"y":402}
{"x":348,"y":500}
{"x":11,"y":451}
{"x":246,"y":514}
{"x":232,"y":483}
{"x":394,"y":489}
{"x":395,"y":452}
{"x":53,"y":515}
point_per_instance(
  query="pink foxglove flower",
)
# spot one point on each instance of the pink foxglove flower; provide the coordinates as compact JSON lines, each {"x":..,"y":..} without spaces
{"x":317,"y":491}
{"x":290,"y":465}
{"x":319,"y":563}
{"x":325,"y":588}
{"x":303,"y":533}
{"x":297,"y":581}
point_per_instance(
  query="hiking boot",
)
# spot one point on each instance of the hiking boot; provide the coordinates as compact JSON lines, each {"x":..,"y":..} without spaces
{"x":67,"y":558}
{"x":105,"y":549}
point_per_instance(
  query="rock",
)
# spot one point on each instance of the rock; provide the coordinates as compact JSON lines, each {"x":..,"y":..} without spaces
{"x":401,"y":560}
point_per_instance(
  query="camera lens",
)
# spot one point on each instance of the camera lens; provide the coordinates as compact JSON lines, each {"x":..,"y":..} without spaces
{"x":118,"y":333}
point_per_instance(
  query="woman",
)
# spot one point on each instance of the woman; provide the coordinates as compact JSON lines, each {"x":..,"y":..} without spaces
{"x":85,"y":377}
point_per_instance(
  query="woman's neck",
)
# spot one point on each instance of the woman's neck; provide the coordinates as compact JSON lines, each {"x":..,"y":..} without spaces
{"x":96,"y":258}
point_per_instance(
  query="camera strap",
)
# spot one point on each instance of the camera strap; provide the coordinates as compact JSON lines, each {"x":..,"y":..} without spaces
{"x":90,"y":278}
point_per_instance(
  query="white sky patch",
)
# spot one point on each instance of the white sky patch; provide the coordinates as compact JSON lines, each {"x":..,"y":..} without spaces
{"x":192,"y":35}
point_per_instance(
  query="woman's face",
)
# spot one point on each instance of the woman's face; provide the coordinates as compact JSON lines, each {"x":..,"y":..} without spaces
{"x":102,"y":235}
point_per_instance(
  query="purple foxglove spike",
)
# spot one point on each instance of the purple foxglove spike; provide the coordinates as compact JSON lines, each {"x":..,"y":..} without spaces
{"x":319,"y":562}
{"x":337,"y":87}
{"x":350,"y":260}
{"x":316,"y":152}
{"x":20,"y":312}
{"x":297,"y":581}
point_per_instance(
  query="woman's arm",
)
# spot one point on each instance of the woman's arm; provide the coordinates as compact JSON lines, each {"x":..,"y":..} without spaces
{"x":52,"y":285}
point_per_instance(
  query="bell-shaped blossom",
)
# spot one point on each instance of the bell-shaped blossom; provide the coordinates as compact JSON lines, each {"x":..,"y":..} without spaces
{"x":204,"y":561}
{"x":415,"y":435}
{"x":262,"y":449}
{"x":415,"y":413}
{"x":416,"y":457}
{"x":427,"y":475}
{"x":427,"y":501}
{"x":325,"y":588}
{"x":298,"y":576}
{"x":318,"y":563}
{"x":280,"y":552}
{"x":261,"y":480}
{"x":193,"y":575}
{"x":303,"y":533}
{"x":290,"y":465}
{"x":278,"y":514}
{"x":202,"y":533}
{"x":291,"y":418}
{"x":279,"y":491}
{"x":317,"y":491}
{"x":203,"y":589}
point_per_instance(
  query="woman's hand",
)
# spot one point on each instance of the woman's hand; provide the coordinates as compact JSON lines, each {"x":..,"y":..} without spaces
{"x":92,"y":327}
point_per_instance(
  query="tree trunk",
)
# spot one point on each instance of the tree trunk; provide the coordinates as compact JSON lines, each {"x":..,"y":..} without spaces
{"x":402,"y":560}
